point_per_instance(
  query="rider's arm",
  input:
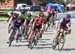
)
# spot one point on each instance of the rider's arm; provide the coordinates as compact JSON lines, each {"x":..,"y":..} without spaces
{"x":59,"y":24}
{"x":42,"y":25}
{"x":24,"y":22}
{"x":69,"y":24}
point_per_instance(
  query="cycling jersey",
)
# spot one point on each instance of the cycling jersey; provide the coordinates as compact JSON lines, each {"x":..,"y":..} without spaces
{"x":16,"y":25}
{"x":24,"y":16}
{"x":38,"y":21}
{"x":63,"y":24}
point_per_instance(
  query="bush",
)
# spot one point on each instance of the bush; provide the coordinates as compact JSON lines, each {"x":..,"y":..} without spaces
{"x":4,"y":15}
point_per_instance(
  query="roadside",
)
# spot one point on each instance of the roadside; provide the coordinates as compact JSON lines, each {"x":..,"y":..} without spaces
{"x":3,"y":19}
{"x":59,"y":15}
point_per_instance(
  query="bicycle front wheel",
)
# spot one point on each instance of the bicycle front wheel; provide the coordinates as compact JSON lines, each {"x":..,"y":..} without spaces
{"x":61,"y":43}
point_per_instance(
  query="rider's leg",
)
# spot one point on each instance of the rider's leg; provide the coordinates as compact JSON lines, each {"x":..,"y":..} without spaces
{"x":57,"y":36}
{"x":30,"y":35}
{"x":11,"y":26}
{"x":9,"y":35}
{"x":29,"y":31}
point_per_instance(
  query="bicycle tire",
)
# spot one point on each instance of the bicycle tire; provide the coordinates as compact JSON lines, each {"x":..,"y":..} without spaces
{"x":31,"y":43}
{"x":61,"y":41}
{"x":11,"y":40}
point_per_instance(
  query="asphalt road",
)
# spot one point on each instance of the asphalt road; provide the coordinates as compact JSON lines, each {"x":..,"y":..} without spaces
{"x":44,"y":45}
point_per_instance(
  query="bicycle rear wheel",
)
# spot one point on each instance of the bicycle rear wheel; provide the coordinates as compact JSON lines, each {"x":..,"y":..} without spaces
{"x":31,"y":43}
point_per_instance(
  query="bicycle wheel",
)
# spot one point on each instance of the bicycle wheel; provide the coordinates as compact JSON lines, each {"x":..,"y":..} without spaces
{"x":25,"y":33}
{"x":36,"y":38}
{"x":46,"y":27}
{"x":54,"y":45}
{"x":61,"y":42}
{"x":11,"y":39}
{"x":31,"y":43}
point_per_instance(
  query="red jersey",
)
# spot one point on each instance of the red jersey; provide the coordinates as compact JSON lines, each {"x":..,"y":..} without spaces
{"x":38,"y":21}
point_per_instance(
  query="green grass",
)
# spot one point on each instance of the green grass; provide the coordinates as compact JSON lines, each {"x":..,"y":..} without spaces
{"x":35,"y":13}
{"x":3,"y":17}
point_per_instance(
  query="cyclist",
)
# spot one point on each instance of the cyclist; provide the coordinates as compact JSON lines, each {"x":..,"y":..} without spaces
{"x":15,"y":26}
{"x":25,"y":19}
{"x":30,"y":26}
{"x":27,"y":23}
{"x":23,"y":16}
{"x":13,"y":18}
{"x":52,"y":17}
{"x":64,"y":24}
{"x":37,"y":23}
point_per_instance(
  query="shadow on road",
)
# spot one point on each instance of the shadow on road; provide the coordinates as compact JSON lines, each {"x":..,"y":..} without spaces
{"x":44,"y":44}
{"x":19,"y":45}
{"x":67,"y":49}
{"x":45,"y":39}
{"x":48,"y":33}
{"x":42,"y":47}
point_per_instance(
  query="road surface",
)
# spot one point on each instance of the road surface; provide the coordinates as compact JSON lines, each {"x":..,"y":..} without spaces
{"x":44,"y":46}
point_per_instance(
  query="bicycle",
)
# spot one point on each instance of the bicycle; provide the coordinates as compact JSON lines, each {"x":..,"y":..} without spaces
{"x":16,"y":34}
{"x":12,"y":37}
{"x":34,"y":39}
{"x":61,"y":41}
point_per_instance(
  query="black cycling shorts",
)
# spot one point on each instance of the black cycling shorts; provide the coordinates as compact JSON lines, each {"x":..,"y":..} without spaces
{"x":37,"y":26}
{"x":64,"y":28}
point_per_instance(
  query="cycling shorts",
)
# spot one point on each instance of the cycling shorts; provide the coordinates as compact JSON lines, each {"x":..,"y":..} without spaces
{"x":37,"y":26}
{"x":64,"y":28}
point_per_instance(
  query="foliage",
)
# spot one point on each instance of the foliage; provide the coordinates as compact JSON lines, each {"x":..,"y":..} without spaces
{"x":3,"y":15}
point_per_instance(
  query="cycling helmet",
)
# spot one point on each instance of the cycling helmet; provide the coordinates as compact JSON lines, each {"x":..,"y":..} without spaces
{"x":29,"y":15}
